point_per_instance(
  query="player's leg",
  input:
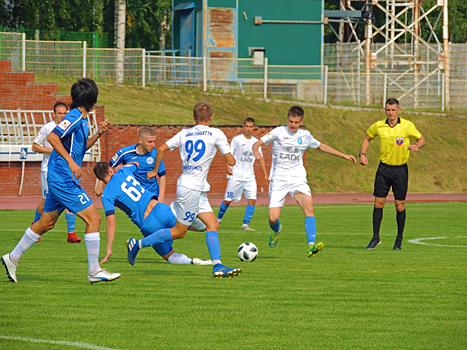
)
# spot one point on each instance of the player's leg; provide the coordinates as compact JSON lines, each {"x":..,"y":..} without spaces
{"x":212,"y":241}
{"x":399,"y":187}
{"x":232,"y":194}
{"x":303,"y":198}
{"x":222,"y":209}
{"x":44,"y":191}
{"x":249,"y":190}
{"x":165,"y":250}
{"x":381,"y":190}
{"x":278,"y":190}
{"x":31,"y":236}
{"x":71,"y":223}
{"x":39,"y":210}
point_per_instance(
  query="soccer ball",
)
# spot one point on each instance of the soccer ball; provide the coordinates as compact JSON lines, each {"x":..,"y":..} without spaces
{"x":247,"y":252}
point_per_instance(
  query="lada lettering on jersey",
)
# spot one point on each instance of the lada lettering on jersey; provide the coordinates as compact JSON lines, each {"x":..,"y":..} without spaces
{"x":247,"y":156}
{"x":288,"y":156}
{"x":198,"y":133}
{"x":191,"y":167}
{"x":290,"y":153}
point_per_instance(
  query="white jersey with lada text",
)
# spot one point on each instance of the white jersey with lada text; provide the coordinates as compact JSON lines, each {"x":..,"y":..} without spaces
{"x":41,"y":140}
{"x":287,"y":153}
{"x":198,"y":146}
{"x":242,"y":151}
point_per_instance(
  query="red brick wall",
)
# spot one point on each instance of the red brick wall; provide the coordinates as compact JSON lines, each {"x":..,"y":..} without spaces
{"x":119,"y":136}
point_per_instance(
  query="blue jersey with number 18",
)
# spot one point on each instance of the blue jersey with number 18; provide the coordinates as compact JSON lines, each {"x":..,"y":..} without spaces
{"x":198,"y":146}
{"x":126,"y":193}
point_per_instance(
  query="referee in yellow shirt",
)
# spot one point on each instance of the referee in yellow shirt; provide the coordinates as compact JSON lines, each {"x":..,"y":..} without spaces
{"x":395,"y":134}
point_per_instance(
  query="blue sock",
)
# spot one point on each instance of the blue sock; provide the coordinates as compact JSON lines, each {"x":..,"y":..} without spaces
{"x":276,"y":227}
{"x":310,"y":228}
{"x":249,"y":211}
{"x":37,"y":216}
{"x":70,"y":222}
{"x":164,"y":248}
{"x":214,"y":246}
{"x":222,"y":210}
{"x":158,"y":237}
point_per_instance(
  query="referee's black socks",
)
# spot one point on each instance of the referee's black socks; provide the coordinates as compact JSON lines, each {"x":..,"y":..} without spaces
{"x":377,"y":218}
{"x":400,"y":217}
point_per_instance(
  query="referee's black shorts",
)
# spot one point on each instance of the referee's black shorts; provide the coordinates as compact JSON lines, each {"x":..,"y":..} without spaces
{"x":395,"y":176}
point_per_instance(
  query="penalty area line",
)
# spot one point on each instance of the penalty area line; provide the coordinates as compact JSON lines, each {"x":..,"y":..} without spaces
{"x":59,"y":342}
{"x":419,"y":241}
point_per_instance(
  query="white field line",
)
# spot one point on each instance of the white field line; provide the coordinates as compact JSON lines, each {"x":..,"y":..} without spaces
{"x":59,"y":342}
{"x":419,"y":241}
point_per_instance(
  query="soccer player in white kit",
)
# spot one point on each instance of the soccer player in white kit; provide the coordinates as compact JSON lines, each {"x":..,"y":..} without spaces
{"x":41,"y":145}
{"x":198,"y":146}
{"x":242,"y":175}
{"x":288,"y":175}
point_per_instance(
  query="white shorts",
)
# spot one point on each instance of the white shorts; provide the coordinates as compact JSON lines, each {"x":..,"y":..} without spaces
{"x":278,"y":190}
{"x":235,"y":188}
{"x":189,"y":204}
{"x":44,"y":186}
{"x":197,"y":224}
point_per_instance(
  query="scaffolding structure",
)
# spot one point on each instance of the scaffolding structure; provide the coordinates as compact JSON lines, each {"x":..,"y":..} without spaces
{"x":401,"y":48}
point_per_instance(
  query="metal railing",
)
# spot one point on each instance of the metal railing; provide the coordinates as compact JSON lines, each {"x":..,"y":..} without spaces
{"x":18,"y":129}
{"x":343,"y":79}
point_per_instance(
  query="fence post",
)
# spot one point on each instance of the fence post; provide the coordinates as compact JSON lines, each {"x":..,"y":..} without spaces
{"x":385,"y":91}
{"x":442,"y":92}
{"x":23,"y":51}
{"x":143,"y":60}
{"x":265,"y":94}
{"x":205,"y":74}
{"x":84,"y":59}
{"x":326,"y":68}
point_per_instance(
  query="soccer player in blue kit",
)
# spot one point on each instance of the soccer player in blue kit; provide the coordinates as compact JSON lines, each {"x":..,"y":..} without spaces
{"x":149,"y":215}
{"x":144,"y":152}
{"x":70,"y":142}
{"x":198,"y":146}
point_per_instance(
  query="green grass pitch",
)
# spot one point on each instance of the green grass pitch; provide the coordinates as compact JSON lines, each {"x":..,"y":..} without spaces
{"x":344,"y":298}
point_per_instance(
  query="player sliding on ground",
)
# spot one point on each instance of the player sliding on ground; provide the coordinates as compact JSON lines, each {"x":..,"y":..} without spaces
{"x":70,"y":142}
{"x":126,"y":193}
{"x":288,"y":175}
{"x":198,"y":146}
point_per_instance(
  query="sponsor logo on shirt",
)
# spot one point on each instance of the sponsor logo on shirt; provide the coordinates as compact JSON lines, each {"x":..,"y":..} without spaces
{"x":115,"y":157}
{"x":399,"y":141}
{"x":64,"y":124}
{"x":150,"y":160}
{"x":190,"y":168}
{"x":291,"y":149}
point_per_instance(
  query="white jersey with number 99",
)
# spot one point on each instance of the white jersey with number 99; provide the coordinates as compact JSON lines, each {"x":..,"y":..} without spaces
{"x":198,"y":146}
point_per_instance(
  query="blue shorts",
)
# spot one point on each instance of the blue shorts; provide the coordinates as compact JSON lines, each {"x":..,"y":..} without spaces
{"x":69,"y":195}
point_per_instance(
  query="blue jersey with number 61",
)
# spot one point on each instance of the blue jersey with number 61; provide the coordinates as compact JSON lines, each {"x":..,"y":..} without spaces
{"x":126,"y":193}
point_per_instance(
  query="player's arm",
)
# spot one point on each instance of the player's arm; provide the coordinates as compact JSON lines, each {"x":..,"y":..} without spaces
{"x":162,"y":184}
{"x":230,"y":159}
{"x":328,"y":149}
{"x":420,"y":143}
{"x":365,"y":145}
{"x":41,"y":149}
{"x":99,"y":188}
{"x":111,"y":225}
{"x":229,"y":169}
{"x":103,"y":127}
{"x":262,"y":164}
{"x":160,"y":154}
{"x":256,"y":151}
{"x":56,"y":143}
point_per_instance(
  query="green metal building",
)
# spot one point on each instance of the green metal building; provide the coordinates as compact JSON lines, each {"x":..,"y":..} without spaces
{"x":287,"y":32}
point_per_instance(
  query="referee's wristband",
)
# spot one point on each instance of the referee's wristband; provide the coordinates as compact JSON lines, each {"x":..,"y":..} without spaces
{"x":361,"y":154}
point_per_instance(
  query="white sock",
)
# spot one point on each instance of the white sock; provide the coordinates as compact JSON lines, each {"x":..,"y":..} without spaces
{"x":92,"y":241}
{"x":28,"y":239}
{"x":179,"y":259}
{"x":214,"y":262}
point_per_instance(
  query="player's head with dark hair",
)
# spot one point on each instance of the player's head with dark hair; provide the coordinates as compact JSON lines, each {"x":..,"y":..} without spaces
{"x":146,"y":131}
{"x":58,"y":104}
{"x":101,"y":170}
{"x":202,"y":111}
{"x":84,"y":94}
{"x":392,"y":101}
{"x":249,"y":120}
{"x":296,"y":111}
